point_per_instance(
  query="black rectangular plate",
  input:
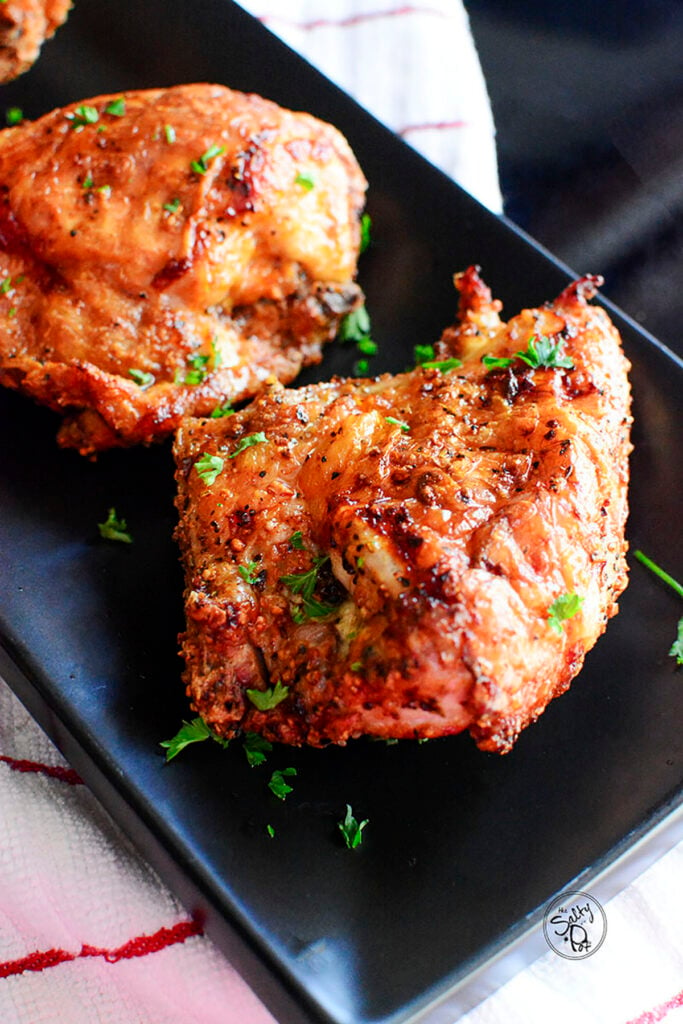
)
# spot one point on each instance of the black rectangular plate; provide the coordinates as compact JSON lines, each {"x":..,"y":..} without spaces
{"x":463,"y":849}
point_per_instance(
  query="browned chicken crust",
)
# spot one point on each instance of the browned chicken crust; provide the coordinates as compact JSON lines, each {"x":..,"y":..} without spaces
{"x":24,"y":27}
{"x":437,"y":516}
{"x":164,"y":251}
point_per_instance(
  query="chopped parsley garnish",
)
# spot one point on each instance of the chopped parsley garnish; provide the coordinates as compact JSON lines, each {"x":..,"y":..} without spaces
{"x":677,"y":646}
{"x":248,"y":442}
{"x":190,"y":732}
{"x":361,"y":367}
{"x":82,"y":116}
{"x":14,"y":115}
{"x":356,"y":666}
{"x":398,"y":423}
{"x":256,"y":748}
{"x":497,"y":362}
{"x":564,"y":607}
{"x":367,"y":346}
{"x":443,"y":365}
{"x":305,"y":180}
{"x":541,"y":352}
{"x":12,"y":312}
{"x":6,"y":286}
{"x":423,"y":354}
{"x":87,"y":181}
{"x":141,"y":377}
{"x":266,"y":700}
{"x":296,"y":540}
{"x":201,"y":166}
{"x":365,"y":228}
{"x":277,"y":784}
{"x":169,"y":134}
{"x":115,"y":528}
{"x":304,"y":583}
{"x":173,"y":206}
{"x":117,"y":107}
{"x":250,"y":572}
{"x":271,"y":831}
{"x":209,"y":467}
{"x":199,"y":367}
{"x":351,"y":829}
{"x":355,"y":325}
{"x":225,"y":409}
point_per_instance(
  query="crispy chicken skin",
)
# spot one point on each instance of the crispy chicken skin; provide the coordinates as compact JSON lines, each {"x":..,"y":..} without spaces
{"x":164,"y":251}
{"x":435,"y":545}
{"x":24,"y":27}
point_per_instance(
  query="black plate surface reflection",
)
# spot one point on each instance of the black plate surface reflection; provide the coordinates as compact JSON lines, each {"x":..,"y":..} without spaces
{"x":463,"y":849}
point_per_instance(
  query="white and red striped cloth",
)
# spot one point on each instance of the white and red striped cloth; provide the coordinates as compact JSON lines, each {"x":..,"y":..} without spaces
{"x":68,"y":956}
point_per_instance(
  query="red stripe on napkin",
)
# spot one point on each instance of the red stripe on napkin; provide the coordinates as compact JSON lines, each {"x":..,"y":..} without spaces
{"x":352,"y":19}
{"x":439,"y":126}
{"x":659,"y":1012}
{"x":142,"y":945}
{"x":54,"y":771}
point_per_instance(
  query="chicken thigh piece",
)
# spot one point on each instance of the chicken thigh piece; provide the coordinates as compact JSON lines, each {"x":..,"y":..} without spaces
{"x":418,"y":554}
{"x":165,"y":251}
{"x":24,"y":27}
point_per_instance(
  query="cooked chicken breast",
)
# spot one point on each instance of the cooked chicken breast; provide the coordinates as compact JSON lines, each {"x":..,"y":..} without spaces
{"x":24,"y":27}
{"x":164,"y":251}
{"x":415,"y":555}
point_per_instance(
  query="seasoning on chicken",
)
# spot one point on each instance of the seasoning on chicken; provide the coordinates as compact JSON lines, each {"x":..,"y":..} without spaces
{"x":24,"y":27}
{"x":414,"y":555}
{"x":164,"y":252}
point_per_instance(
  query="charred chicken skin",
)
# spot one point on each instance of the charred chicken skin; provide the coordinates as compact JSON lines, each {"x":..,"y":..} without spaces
{"x":24,"y":27}
{"x":165,"y":251}
{"x":414,"y":555}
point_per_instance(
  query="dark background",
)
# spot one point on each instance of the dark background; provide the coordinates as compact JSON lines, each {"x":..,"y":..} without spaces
{"x":588,"y":104}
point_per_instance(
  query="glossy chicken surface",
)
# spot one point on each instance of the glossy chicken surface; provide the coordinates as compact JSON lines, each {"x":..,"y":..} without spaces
{"x":384,"y":557}
{"x":164,"y":251}
{"x":24,"y":27}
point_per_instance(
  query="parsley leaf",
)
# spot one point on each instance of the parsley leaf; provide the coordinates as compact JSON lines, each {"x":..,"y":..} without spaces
{"x":351,"y":829}
{"x":14,"y":115}
{"x":398,"y":423}
{"x":250,"y":572}
{"x":82,"y":116}
{"x":256,"y":748}
{"x":497,"y":363}
{"x":541,"y":352}
{"x":225,"y":409}
{"x":304,"y":583}
{"x":6,"y":286}
{"x":305,"y":180}
{"x":114,"y":528}
{"x":201,"y":166}
{"x":248,"y":442}
{"x":145,"y":380}
{"x":277,"y":784}
{"x":173,"y":206}
{"x":355,"y":325}
{"x":365,"y":227}
{"x":271,"y":831}
{"x":117,"y":107}
{"x":564,"y":607}
{"x":190,"y":732}
{"x":443,"y":365}
{"x":423,"y":354}
{"x":209,"y":467}
{"x":265,"y":700}
{"x":361,"y":367}
{"x":296,"y":540}
{"x":169,"y":134}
